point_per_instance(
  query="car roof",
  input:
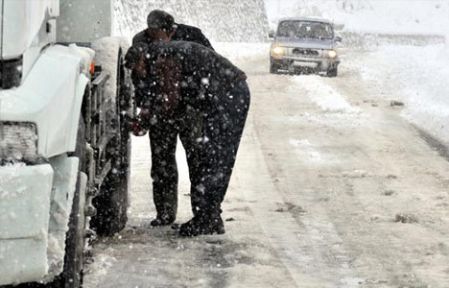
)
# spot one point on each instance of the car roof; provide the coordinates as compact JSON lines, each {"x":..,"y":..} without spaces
{"x":311,"y":19}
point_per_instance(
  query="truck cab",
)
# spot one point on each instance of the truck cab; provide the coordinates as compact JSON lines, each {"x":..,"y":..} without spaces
{"x":65,"y":98}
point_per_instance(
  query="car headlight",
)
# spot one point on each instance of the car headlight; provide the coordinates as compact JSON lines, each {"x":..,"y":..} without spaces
{"x":277,"y":51}
{"x":18,"y":141}
{"x":332,"y":54}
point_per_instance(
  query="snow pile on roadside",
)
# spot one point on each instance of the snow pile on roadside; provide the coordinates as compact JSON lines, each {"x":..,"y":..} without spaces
{"x":376,"y":16}
{"x":416,"y":76}
{"x":100,"y":267}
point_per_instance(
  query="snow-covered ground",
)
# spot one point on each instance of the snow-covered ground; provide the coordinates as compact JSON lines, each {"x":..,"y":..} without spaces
{"x":416,"y":76}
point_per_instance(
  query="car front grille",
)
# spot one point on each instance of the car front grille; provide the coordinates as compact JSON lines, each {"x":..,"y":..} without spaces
{"x":305,"y":52}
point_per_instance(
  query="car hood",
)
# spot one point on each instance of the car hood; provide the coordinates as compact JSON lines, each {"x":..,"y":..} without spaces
{"x":305,"y":43}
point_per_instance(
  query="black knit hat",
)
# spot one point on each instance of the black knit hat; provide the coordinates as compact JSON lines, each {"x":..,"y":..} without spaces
{"x":158,"y":19}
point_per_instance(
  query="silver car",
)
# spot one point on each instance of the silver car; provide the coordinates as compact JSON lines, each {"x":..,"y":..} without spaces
{"x":304,"y":45}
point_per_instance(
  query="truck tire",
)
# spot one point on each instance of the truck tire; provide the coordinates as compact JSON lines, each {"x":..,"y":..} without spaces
{"x":112,"y":201}
{"x":72,"y":275}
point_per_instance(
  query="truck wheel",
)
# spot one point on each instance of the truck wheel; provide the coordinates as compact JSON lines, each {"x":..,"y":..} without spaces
{"x":72,"y":275}
{"x":112,"y":201}
{"x":111,"y":205}
{"x":273,"y":69}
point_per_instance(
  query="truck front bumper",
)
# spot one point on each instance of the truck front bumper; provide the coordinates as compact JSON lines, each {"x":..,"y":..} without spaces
{"x":25,"y":193}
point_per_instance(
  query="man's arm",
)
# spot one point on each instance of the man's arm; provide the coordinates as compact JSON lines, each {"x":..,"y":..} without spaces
{"x":135,"y":60}
{"x":191,"y":34}
{"x":140,"y":37}
{"x":202,"y":39}
{"x":220,"y":64}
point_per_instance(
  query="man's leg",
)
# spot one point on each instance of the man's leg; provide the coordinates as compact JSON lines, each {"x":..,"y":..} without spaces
{"x":190,"y":132}
{"x":164,"y":172}
{"x":221,"y":139}
{"x":220,"y":156}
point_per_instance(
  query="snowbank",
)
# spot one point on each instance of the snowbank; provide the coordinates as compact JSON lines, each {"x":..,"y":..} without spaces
{"x":418,"y":77}
{"x":225,"y":21}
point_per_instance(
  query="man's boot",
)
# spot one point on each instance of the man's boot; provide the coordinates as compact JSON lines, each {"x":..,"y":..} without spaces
{"x":203,"y":224}
{"x":162,"y":220}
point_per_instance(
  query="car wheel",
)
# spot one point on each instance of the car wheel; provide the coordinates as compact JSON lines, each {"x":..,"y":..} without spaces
{"x":273,"y":69}
{"x":332,"y":72}
{"x":299,"y":71}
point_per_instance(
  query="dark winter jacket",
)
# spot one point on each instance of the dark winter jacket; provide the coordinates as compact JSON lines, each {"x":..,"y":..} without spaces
{"x":201,"y":74}
{"x":183,"y":33}
{"x":141,"y":40}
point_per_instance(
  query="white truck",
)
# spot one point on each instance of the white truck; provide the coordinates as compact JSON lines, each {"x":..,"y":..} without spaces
{"x":64,"y":143}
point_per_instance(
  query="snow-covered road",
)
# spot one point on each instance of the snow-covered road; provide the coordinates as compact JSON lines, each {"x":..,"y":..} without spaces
{"x":332,"y":188}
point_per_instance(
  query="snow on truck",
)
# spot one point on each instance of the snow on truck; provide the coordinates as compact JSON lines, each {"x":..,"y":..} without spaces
{"x":64,"y":143}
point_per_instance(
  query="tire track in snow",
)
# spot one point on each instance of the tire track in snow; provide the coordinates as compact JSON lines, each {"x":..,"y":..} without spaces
{"x":309,"y":246}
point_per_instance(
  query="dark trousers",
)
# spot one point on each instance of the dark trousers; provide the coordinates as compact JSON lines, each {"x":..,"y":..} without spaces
{"x":163,"y":137}
{"x":164,"y":131}
{"x":222,"y":129}
{"x":211,"y":140}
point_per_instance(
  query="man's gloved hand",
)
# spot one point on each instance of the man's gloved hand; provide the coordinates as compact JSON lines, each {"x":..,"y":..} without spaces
{"x":137,"y":129}
{"x":137,"y":125}
{"x":140,"y":67}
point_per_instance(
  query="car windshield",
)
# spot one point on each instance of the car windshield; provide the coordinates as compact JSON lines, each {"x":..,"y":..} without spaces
{"x":305,"y":29}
